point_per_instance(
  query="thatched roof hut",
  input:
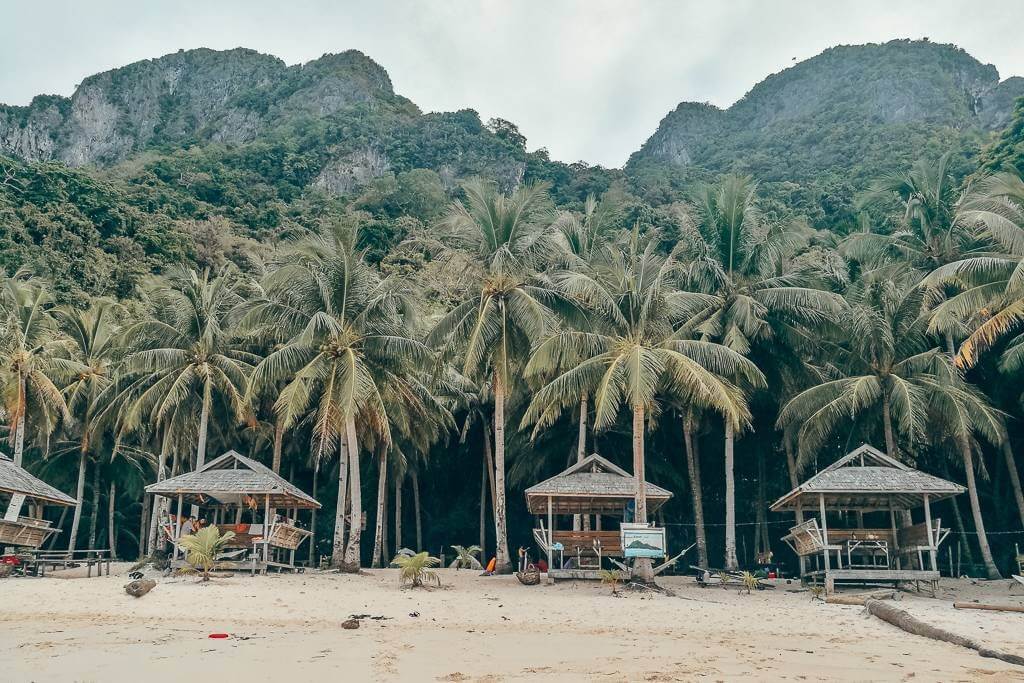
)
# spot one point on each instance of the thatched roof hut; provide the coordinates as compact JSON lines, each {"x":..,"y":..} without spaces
{"x":15,"y":479}
{"x":868,"y":480}
{"x":592,"y":486}
{"x":18,"y":487}
{"x":230,"y":479}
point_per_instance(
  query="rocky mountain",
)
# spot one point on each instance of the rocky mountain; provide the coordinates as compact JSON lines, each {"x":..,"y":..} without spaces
{"x":861,"y":110}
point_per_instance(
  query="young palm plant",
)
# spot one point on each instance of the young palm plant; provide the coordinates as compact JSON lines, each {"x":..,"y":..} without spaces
{"x":415,"y":570}
{"x":201,"y":550}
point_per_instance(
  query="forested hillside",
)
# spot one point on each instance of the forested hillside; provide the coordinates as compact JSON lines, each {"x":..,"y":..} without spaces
{"x":215,"y":250}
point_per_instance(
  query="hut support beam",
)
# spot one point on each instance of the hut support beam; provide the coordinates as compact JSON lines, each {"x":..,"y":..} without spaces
{"x":930,"y":533}
{"x":895,"y":538}
{"x":551,"y":534}
{"x":829,"y":587}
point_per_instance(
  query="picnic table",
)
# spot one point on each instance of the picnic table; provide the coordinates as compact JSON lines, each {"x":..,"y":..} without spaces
{"x":39,"y":560}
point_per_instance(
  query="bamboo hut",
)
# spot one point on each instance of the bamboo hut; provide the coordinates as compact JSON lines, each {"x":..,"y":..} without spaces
{"x":593,"y":488}
{"x":863,"y":486}
{"x":240,"y":495}
{"x":19,"y":491}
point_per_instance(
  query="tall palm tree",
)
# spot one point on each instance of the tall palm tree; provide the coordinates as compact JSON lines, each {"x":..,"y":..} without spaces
{"x":32,"y":361}
{"x":506,"y":311}
{"x":94,"y":335}
{"x":887,"y":366}
{"x":637,"y":355}
{"x":738,"y":260}
{"x":345,"y":343}
{"x":185,"y":352}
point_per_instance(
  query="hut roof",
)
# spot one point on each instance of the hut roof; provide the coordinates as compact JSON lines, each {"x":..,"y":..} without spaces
{"x":231,"y":477}
{"x":593,"y":485}
{"x":14,"y":479}
{"x":868,"y":479}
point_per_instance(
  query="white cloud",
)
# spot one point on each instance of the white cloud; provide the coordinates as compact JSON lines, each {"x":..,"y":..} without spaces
{"x":588,"y":79}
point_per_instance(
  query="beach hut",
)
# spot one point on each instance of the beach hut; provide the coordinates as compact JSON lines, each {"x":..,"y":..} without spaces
{"x":243,"y":496}
{"x":592,"y":487}
{"x":867,"y":485}
{"x":20,"y":491}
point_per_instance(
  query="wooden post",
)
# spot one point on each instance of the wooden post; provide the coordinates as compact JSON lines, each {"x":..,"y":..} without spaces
{"x":895,"y":539}
{"x":551,"y":534}
{"x":266,"y":532}
{"x":177,"y":530}
{"x":824,"y":539}
{"x":930,"y":532}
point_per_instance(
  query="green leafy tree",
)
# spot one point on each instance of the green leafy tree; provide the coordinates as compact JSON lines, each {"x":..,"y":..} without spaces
{"x":202,"y":548}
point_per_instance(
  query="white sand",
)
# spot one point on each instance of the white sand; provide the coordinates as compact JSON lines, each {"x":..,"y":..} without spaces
{"x":475,"y":629}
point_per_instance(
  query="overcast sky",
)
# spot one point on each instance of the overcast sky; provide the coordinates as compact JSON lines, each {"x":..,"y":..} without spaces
{"x":588,"y":79}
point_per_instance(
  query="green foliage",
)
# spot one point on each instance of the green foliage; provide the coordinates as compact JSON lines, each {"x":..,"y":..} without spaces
{"x":466,"y":558}
{"x":415,"y":570}
{"x":201,"y":550}
{"x":611,"y":577}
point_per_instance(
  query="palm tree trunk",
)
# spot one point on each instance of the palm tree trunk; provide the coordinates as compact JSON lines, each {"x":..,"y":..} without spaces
{"x":278,"y":444}
{"x":416,"y":509}
{"x":143,"y":526}
{"x":158,"y":502}
{"x":399,"y":480}
{"x":204,"y":422}
{"x":93,"y":518}
{"x":111,"y":536}
{"x":338,"y":548}
{"x":76,"y":519}
{"x":19,"y":430}
{"x":581,"y":451}
{"x":693,"y":468}
{"x":379,"y":523}
{"x":483,"y":508}
{"x":730,"y":501}
{"x":352,"y":549}
{"x":890,"y":441}
{"x":979,"y":523}
{"x":1011,"y":467}
{"x":60,"y":525}
{"x":502,"y":563}
{"x":312,"y":518}
{"x":642,"y":567}
{"x":794,"y":481}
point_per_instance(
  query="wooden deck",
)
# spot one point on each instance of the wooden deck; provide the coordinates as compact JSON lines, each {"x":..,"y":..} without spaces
{"x":894,"y":576}
{"x":574,"y":574}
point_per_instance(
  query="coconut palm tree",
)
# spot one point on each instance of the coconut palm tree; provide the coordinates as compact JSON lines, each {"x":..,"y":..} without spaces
{"x":93,"y":334}
{"x":887,"y":366}
{"x":506,"y":311}
{"x":346,"y":341}
{"x":739,"y":261}
{"x":636,"y":355}
{"x":32,"y":361}
{"x":185,"y":352}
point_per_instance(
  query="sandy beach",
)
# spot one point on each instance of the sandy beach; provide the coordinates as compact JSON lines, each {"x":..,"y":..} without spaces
{"x":288,"y":627}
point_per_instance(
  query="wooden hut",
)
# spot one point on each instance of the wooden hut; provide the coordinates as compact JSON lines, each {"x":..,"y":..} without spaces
{"x":20,"y":491}
{"x":866,"y":484}
{"x":591,"y":487}
{"x":243,"y":496}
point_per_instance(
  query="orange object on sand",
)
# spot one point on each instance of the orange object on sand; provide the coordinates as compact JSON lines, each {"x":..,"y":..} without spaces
{"x":492,"y":564}
{"x":218,"y":635}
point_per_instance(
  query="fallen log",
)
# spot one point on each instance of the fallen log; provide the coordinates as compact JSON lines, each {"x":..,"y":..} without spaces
{"x":994,"y":608}
{"x":902,"y":619}
{"x":139,"y":587}
{"x":860,"y":598}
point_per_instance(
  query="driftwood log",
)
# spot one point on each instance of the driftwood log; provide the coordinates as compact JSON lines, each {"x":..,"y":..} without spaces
{"x":994,"y":608}
{"x":139,"y":587}
{"x":861,"y":598}
{"x":902,"y":619}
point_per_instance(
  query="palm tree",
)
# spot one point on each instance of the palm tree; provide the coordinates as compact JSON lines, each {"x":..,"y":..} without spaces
{"x":345,"y":343}
{"x":93,"y":334}
{"x":635,"y":355}
{"x":185,"y":352}
{"x":887,"y":366}
{"x":31,"y":360}
{"x":739,"y":262}
{"x":506,"y":311}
